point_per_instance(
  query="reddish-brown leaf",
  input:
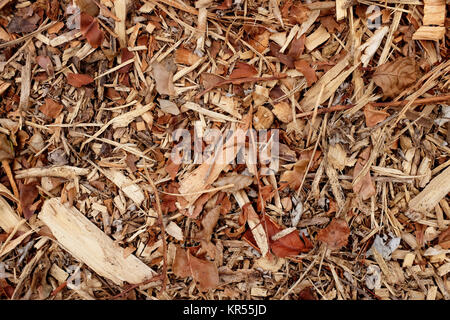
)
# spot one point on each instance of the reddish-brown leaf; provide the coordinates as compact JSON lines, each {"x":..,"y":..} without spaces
{"x":226,"y":4}
{"x":52,"y":9}
{"x":329,"y":23}
{"x":204,"y":272}
{"x":242,"y":70}
{"x":125,"y":56}
{"x":299,"y":13}
{"x":51,"y":108}
{"x":297,"y":46}
{"x":260,"y":42}
{"x":305,"y":68}
{"x":289,"y":245}
{"x":90,"y":29}
{"x":28,"y":193}
{"x":172,"y":168}
{"x":335,"y":235}
{"x":373,"y":116}
{"x":185,"y":56}
{"x":78,"y":80}
{"x":284,"y":58}
{"x":293,"y":178}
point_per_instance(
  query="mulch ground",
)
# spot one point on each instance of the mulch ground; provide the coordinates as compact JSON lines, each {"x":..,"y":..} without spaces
{"x":116,"y":116}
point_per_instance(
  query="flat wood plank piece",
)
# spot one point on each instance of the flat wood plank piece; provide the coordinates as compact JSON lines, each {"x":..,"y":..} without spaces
{"x":87,"y":243}
{"x":429,"y":197}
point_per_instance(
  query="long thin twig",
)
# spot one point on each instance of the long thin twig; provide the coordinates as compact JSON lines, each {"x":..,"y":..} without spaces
{"x":240,"y":81}
{"x":389,"y":104}
{"x":163,"y":229}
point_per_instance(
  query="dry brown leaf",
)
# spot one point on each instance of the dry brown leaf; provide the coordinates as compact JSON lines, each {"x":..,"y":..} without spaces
{"x":172,"y":168}
{"x":51,"y":108}
{"x":20,"y":24}
{"x":240,"y":181}
{"x":373,"y":116}
{"x":289,"y":244}
{"x":293,"y":178}
{"x":169,"y":107}
{"x":78,"y":80}
{"x":204,"y":272}
{"x":299,"y":13}
{"x":305,"y":68}
{"x":297,"y":46}
{"x":335,"y":235}
{"x":365,"y":187}
{"x":90,"y":29}
{"x":185,"y":56}
{"x":288,"y":60}
{"x":393,"y":77}
{"x":163,"y":78}
{"x":28,"y":193}
{"x":209,"y":222}
{"x":242,"y":70}
{"x":6,"y":150}
{"x":260,"y":42}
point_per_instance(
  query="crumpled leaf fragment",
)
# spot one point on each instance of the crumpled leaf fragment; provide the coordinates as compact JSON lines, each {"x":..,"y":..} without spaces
{"x":240,"y":181}
{"x":364,"y":187}
{"x":204,"y":272}
{"x":335,"y":235}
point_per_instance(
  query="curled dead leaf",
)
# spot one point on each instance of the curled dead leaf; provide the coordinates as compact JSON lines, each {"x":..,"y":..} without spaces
{"x":209,"y":222}
{"x":90,"y":29}
{"x":204,"y":272}
{"x":364,"y":187}
{"x":393,"y":77}
{"x":335,"y":235}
